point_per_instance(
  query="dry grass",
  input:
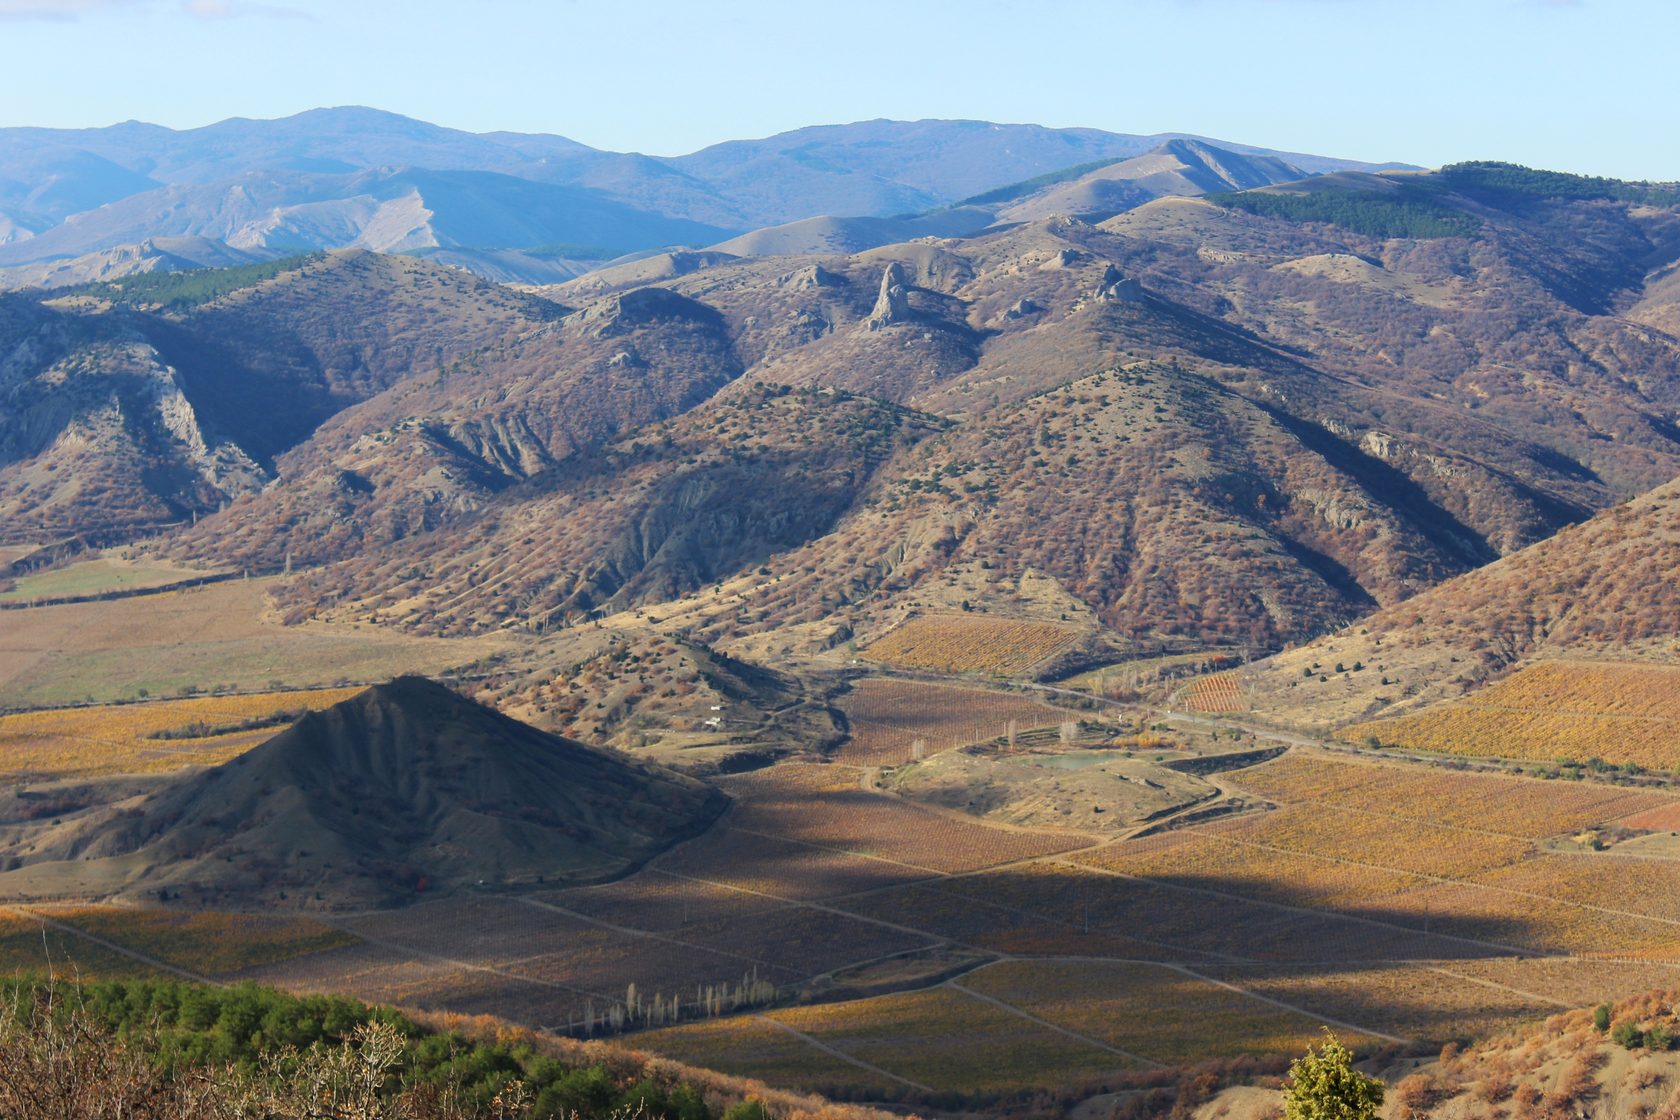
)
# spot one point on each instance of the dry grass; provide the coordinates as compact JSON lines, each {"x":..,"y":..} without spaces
{"x":220,"y":635}
{"x":887,"y":718}
{"x":95,"y":577}
{"x":967,"y":643}
{"x":118,"y":739}
{"x":1621,"y":713}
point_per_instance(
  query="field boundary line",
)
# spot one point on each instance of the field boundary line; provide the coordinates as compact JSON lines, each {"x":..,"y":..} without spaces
{"x":1443,"y":880}
{"x":116,"y":947}
{"x":1214,"y":980}
{"x":933,"y":939}
{"x":1501,"y":987}
{"x":1330,"y":915}
{"x":631,"y":931}
{"x":932,"y":872}
{"x":1030,"y":1017}
{"x":818,"y":1044}
{"x":467,"y":966}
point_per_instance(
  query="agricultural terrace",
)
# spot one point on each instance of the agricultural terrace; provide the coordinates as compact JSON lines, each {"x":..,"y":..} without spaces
{"x":1216,"y":694}
{"x":970,"y":643}
{"x":888,"y":718}
{"x":1555,"y":710}
{"x":146,"y":738}
{"x":1391,"y":901}
{"x":208,"y":943}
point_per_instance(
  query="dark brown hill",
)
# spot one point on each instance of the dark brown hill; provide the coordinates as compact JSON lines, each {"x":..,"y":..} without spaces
{"x":434,"y":447}
{"x":1606,"y":589}
{"x":406,"y":788}
{"x":151,"y":401}
{"x":1209,"y":421}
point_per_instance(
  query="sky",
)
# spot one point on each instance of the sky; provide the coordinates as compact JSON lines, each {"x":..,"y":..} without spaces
{"x":1578,"y":85}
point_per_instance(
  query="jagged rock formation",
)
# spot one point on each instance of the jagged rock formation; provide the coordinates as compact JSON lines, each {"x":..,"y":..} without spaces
{"x":1116,"y":287}
{"x":893,"y":304}
{"x":812,"y":277}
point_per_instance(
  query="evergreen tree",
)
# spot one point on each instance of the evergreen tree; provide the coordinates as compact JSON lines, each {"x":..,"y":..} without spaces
{"x":1323,"y":1085}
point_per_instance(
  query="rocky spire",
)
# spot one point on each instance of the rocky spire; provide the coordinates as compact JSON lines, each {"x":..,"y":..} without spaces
{"x":893,"y":304}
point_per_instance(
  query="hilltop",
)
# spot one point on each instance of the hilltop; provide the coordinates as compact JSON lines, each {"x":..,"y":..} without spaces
{"x":402,"y":790}
{"x":1205,"y":425}
{"x":507,"y":204}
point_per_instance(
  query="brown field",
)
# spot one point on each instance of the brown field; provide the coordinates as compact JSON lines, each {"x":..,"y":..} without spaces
{"x":117,"y":739}
{"x":824,"y":807}
{"x":756,"y":1047}
{"x":1153,"y":1011}
{"x":1554,"y":710}
{"x":970,"y":643}
{"x":204,"y":942}
{"x":1663,"y":818}
{"x":201,"y":639}
{"x":888,"y":716}
{"x":1390,"y":898}
{"x":911,"y":1034}
{"x":1413,"y":1001}
{"x":1523,"y":807}
{"x":1217,"y":694}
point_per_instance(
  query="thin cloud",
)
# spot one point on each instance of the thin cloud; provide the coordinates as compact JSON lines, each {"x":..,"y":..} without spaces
{"x":57,"y":10}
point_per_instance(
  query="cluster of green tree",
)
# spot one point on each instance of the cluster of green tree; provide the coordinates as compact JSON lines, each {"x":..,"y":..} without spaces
{"x":1629,"y":1035}
{"x":1489,"y":178}
{"x":1408,"y":212}
{"x":192,"y":287}
{"x":246,"y":1031}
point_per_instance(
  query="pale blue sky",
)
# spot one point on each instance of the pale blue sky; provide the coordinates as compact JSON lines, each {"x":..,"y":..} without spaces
{"x":1584,"y":85}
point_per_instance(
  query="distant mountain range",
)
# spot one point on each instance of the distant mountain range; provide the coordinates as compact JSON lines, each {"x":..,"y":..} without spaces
{"x":544,"y":208}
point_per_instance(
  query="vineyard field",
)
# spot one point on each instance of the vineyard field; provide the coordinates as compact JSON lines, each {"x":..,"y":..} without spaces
{"x":755,"y":1047}
{"x":29,"y":945}
{"x":1551,"y":711}
{"x":660,"y":902}
{"x":909,"y":1035}
{"x":144,"y":738}
{"x":1522,"y":807}
{"x":206,"y":942}
{"x":1217,"y":694}
{"x":1153,"y":1011}
{"x":888,"y":716}
{"x":971,"y":643}
{"x":1412,"y":1001}
{"x":823,"y":806}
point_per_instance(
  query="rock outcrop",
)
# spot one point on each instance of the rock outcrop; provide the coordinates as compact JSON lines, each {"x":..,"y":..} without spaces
{"x":893,"y":304}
